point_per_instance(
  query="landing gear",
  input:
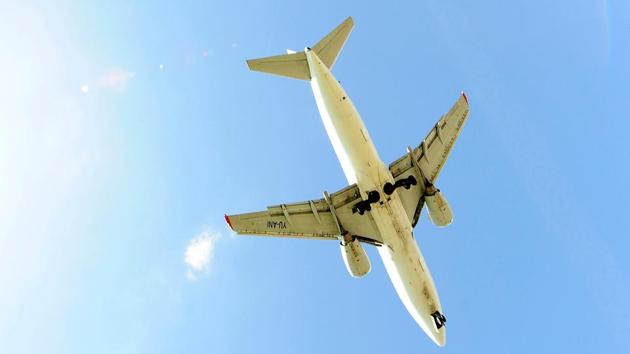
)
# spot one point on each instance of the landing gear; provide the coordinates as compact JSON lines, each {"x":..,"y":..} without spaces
{"x":364,"y":205}
{"x":361,"y":208}
{"x":389,"y":188}
{"x":438,"y":319}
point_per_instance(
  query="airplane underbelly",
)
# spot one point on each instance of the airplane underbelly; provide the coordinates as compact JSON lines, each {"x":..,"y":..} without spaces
{"x":362,"y":165}
{"x":349,"y":137}
{"x":408,"y":272}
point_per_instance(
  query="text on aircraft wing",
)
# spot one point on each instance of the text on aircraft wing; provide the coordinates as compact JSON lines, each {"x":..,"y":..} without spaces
{"x":324,"y":218}
{"x":429,"y":157}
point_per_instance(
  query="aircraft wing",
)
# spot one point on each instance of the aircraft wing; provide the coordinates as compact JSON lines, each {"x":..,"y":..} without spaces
{"x":325,"y":218}
{"x":429,"y":157}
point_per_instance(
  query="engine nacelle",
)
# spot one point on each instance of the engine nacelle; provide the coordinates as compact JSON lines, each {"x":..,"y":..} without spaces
{"x":439,"y":211}
{"x":355,"y":258}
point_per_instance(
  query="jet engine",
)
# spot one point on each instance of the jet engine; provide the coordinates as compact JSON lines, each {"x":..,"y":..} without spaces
{"x":439,"y":211}
{"x":354,"y":256}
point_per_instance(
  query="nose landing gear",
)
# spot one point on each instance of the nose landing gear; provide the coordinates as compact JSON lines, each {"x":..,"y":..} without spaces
{"x":438,"y":319}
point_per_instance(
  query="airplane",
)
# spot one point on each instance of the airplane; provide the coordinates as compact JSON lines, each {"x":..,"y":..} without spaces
{"x":382,"y":204}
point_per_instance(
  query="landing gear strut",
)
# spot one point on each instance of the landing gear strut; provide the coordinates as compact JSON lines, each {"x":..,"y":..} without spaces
{"x":364,"y":205}
{"x":389,"y":188}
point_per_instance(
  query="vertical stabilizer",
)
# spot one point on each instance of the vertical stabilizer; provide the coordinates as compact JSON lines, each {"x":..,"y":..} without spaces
{"x":295,"y":66}
{"x":329,"y":47}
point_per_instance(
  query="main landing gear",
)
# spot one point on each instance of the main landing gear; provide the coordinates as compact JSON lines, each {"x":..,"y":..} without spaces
{"x":364,"y":205}
{"x":439,"y":319}
{"x":374,"y":196}
{"x":389,"y":188}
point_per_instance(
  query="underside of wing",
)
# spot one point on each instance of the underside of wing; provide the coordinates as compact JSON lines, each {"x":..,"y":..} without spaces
{"x":325,"y":218}
{"x":425,"y":161}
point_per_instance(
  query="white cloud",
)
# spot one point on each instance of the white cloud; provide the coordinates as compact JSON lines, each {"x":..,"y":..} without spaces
{"x":115,"y":78}
{"x":199,"y":254}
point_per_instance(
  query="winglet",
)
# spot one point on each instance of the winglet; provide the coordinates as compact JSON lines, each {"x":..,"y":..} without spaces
{"x":227,"y":219}
{"x":464,"y":94}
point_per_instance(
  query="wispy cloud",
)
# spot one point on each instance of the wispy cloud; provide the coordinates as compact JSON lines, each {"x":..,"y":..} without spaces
{"x":115,"y":78}
{"x":199,"y":254}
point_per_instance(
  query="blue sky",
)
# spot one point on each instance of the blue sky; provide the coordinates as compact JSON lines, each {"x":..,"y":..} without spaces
{"x":127,"y":129}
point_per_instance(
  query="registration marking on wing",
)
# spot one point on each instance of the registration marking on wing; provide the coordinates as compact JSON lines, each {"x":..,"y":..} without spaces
{"x":271,"y":224}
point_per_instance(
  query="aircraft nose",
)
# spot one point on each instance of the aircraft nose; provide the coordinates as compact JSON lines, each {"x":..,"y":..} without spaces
{"x":440,"y":337}
{"x":436,"y":328}
{"x":437,"y":335}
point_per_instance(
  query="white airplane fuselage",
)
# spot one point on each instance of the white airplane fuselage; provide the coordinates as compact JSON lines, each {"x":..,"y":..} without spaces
{"x":362,"y":165}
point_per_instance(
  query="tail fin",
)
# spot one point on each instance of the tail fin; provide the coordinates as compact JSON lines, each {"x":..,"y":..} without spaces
{"x":295,"y":66}
{"x":329,"y":47}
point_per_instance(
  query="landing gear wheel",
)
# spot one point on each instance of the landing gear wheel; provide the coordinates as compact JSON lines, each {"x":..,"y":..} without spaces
{"x":365,"y":205}
{"x":373,"y":197}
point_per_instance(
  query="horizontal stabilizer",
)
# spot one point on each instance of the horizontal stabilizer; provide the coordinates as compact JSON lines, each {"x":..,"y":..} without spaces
{"x":289,"y":65}
{"x":294,"y":65}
